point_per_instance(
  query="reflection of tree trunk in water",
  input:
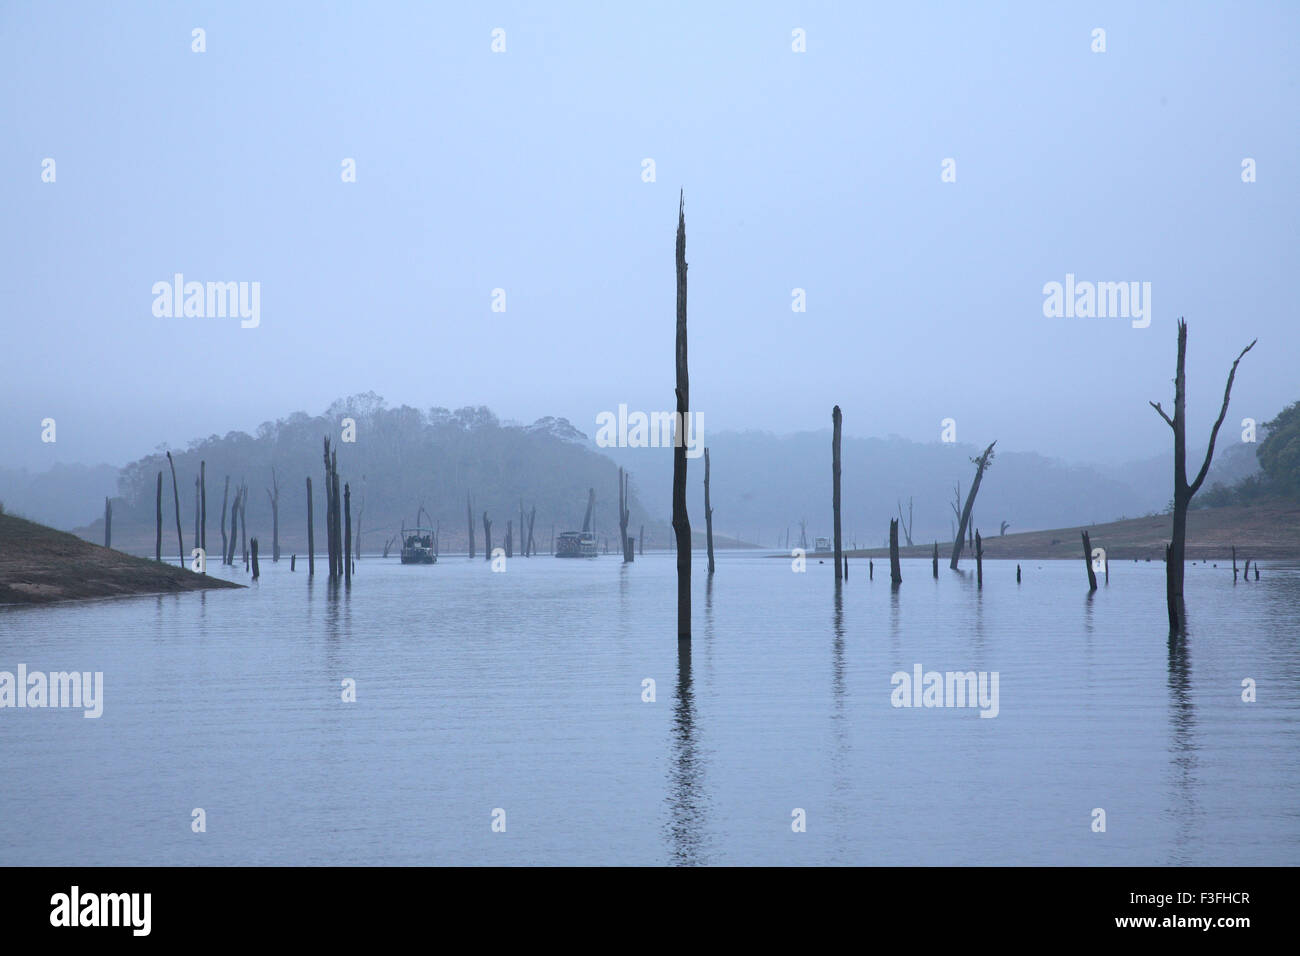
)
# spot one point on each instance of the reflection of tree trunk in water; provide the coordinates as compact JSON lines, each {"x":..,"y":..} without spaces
{"x":686,"y":803}
{"x":1182,"y":748}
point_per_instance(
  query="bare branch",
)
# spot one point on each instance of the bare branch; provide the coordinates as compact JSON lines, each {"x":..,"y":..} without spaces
{"x":1168,"y":421}
{"x":1214,"y":434}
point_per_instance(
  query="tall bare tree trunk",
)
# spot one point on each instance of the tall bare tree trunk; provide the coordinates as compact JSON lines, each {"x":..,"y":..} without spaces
{"x":510,"y":538}
{"x":347,"y":534}
{"x":979,"y":561}
{"x":176,"y":498}
{"x":338,"y":514}
{"x":981,"y":464}
{"x":234,"y":528}
{"x":256,"y":571}
{"x":196,"y":512}
{"x":469,"y":513}
{"x":532,"y":520}
{"x":837,"y":421}
{"x":274,"y":494}
{"x":243,"y":522}
{"x":682,"y":521}
{"x":157,"y":536}
{"x":311,"y":534}
{"x":1087,"y":561}
{"x":895,"y":569}
{"x":487,"y":538}
{"x":1183,"y":491}
{"x":640,"y":541}
{"x":222,"y":526}
{"x":708,"y":512}
{"x":203,"y":507}
{"x":108,"y":523}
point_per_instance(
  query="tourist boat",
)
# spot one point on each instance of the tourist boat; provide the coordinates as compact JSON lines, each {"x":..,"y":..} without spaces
{"x":575,"y":544}
{"x":417,"y":546}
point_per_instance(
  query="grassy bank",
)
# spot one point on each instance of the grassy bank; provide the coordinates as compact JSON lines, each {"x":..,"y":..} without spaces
{"x":1268,"y":531}
{"x":39,"y":564}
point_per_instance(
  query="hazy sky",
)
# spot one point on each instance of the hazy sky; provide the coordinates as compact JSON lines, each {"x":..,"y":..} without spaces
{"x":522,"y":170}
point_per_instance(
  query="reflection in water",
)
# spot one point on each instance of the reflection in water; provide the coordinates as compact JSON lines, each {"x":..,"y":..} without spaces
{"x":840,"y":784}
{"x":686,"y":799}
{"x":1182,"y":750}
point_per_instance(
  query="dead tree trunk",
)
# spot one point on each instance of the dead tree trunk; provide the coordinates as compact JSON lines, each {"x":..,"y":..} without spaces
{"x":347,"y":534}
{"x":108,"y":523}
{"x":469,"y":515}
{"x":234,"y":529}
{"x":157,"y":511}
{"x":203,"y":507}
{"x":979,"y":561}
{"x":510,"y":535}
{"x":532,"y":520}
{"x":176,"y":498}
{"x":708,"y":511}
{"x":243,"y":522}
{"x":934,"y":561}
{"x":682,"y":521}
{"x":274,"y":494}
{"x":907,"y":526}
{"x":487,"y":538}
{"x":360,"y":514}
{"x":1183,"y":490}
{"x":1234,"y":554}
{"x":640,"y":541}
{"x":895,"y":570}
{"x":311,"y":534}
{"x":523,"y":530}
{"x":256,"y":571}
{"x":837,"y":421}
{"x":225,"y":495}
{"x":196,"y":511}
{"x":622,"y":512}
{"x":339,"y":556}
{"x":981,"y":463}
{"x":1087,"y":561}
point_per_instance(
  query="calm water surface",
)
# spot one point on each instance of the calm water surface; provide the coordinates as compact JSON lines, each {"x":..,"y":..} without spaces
{"x":523,"y":691}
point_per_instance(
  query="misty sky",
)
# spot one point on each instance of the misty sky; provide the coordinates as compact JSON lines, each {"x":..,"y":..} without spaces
{"x":523,"y":170}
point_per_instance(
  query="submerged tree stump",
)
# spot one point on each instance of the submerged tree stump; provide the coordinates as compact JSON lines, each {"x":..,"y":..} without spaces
{"x":895,"y":569}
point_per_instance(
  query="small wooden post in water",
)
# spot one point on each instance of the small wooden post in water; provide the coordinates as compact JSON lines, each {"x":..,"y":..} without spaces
{"x":934,"y":561}
{"x":979,"y":561}
{"x":293,"y":562}
{"x":1234,"y":564}
{"x":1087,"y":561}
{"x":871,"y":570}
{"x":1017,"y":574}
{"x":256,"y":572}
{"x":846,"y":567}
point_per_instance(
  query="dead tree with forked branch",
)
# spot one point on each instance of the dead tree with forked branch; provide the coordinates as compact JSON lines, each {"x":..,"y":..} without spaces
{"x":1183,"y":489}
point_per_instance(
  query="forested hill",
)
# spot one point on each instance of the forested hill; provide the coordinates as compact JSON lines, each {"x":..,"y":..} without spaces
{"x":401,"y":458}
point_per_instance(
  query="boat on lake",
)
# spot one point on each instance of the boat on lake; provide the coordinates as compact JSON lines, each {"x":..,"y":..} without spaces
{"x":575,"y":544}
{"x":417,"y":546}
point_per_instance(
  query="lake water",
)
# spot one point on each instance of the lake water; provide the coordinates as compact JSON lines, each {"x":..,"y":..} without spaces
{"x":523,"y":691}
